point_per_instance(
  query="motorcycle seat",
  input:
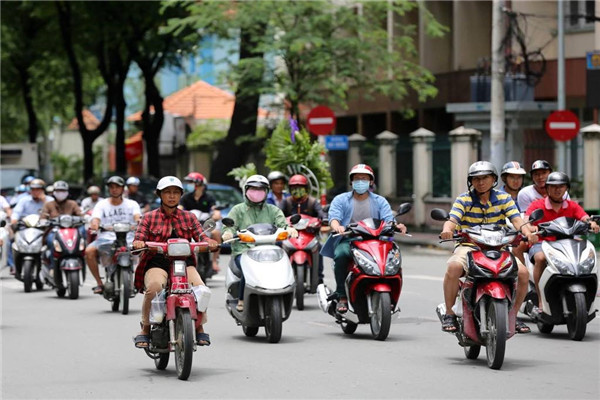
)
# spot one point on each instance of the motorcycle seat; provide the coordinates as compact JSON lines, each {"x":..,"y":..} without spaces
{"x":234,"y":268}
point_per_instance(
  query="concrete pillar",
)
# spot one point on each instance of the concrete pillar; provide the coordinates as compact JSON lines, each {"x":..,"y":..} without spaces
{"x":387,"y":163}
{"x":591,"y":171}
{"x":422,"y":171}
{"x":463,"y":153}
{"x":355,"y":141}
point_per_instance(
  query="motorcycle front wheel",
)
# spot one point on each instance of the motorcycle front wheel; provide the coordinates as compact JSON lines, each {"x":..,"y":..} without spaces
{"x":497,"y":315}
{"x":273,"y":320}
{"x":184,"y":343}
{"x":381,"y":319}
{"x":300,"y":286}
{"x":73,"y":283}
{"x":577,"y":317}
{"x":125,"y":292}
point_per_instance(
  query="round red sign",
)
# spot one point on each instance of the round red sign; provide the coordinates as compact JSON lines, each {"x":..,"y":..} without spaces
{"x":562,"y":125}
{"x":320,"y":120}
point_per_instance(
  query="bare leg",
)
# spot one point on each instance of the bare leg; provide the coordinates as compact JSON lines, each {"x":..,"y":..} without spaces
{"x":451,"y":285}
{"x":91,"y":257}
{"x":538,"y":268}
{"x":522,"y":285}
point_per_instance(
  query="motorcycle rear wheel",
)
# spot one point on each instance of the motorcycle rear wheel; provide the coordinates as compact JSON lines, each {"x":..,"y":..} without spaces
{"x":472,"y":352}
{"x":348,"y":327}
{"x":27,"y":275}
{"x":497,"y":315}
{"x":125,"y":292}
{"x":116,"y":301}
{"x":273,"y":320}
{"x":184,"y":343}
{"x":250,"y":331}
{"x":577,"y":317}
{"x":161,"y":361}
{"x":381,"y":319}
{"x":544,"y":328}
{"x":300,"y":286}
{"x":73,"y":284}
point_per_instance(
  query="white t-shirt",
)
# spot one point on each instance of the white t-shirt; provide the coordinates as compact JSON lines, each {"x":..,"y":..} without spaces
{"x":528,"y":194}
{"x":3,"y":203}
{"x":88,"y":203}
{"x":110,"y":214}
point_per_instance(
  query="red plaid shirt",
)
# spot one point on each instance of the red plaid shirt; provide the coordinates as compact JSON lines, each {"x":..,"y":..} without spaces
{"x":155,"y":226}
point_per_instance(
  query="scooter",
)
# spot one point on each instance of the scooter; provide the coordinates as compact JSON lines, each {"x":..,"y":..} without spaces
{"x":484,"y":310}
{"x":5,"y":238}
{"x":203,"y":262}
{"x":69,"y":249}
{"x":28,"y":247}
{"x":303,"y":252}
{"x":173,"y":327}
{"x":374,"y":279}
{"x":270,"y":283}
{"x":569,"y":282}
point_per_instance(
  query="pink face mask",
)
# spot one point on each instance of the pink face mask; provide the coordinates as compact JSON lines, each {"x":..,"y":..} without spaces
{"x":256,"y":195}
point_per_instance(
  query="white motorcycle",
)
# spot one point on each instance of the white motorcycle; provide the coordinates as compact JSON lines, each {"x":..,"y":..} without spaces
{"x":270,"y":283}
{"x":28,"y":248}
{"x":5,"y":238}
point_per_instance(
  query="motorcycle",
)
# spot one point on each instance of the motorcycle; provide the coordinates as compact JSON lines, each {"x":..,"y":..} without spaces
{"x":173,"y":328}
{"x":270,"y":283}
{"x":28,"y":247}
{"x":69,"y":249}
{"x":374,"y":279}
{"x":117,"y":260}
{"x":569,"y":282}
{"x":5,"y":238}
{"x":484,"y":310}
{"x":203,"y":262}
{"x":303,"y":252}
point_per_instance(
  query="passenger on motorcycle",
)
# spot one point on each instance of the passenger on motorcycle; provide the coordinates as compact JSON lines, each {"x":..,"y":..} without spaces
{"x":107,"y":212}
{"x":539,"y":172}
{"x":512,"y":175}
{"x":32,"y":203}
{"x":133,"y":193}
{"x":481,"y":204}
{"x":349,"y":207}
{"x":277,"y":194}
{"x":151,"y":274}
{"x":253,"y":210}
{"x":554,"y":206}
{"x":93,"y":198}
{"x":198,"y":199}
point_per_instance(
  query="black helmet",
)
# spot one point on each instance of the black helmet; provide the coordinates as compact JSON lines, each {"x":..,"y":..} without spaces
{"x":115,"y":179}
{"x":558,"y":178}
{"x":540,"y":164}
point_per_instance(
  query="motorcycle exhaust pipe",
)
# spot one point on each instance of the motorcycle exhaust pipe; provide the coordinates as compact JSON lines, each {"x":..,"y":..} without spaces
{"x":325,"y":299}
{"x":440,"y":310}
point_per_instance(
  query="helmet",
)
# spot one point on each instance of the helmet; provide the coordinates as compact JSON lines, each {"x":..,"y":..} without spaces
{"x":512,"y":167}
{"x":115,"y":179}
{"x":481,"y":168}
{"x":37,"y":183}
{"x":132,"y":180}
{"x":257,"y":181}
{"x":558,"y":178}
{"x":298,"y":180}
{"x":540,"y":164}
{"x":168,"y":181}
{"x":274,"y":175}
{"x":93,"y":190}
{"x":21,"y":188}
{"x":195,"y":177}
{"x":61,"y":185}
{"x":49,"y":189}
{"x":362,"y":169}
{"x":27,"y":180}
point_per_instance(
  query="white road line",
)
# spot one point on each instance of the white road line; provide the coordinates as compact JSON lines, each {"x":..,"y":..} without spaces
{"x":424,"y":277}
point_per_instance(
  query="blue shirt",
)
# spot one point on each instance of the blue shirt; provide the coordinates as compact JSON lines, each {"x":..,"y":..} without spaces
{"x":271,"y":199}
{"x":27,"y":206}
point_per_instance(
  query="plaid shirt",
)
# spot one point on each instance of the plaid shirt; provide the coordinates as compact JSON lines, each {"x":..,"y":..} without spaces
{"x":155,"y":226}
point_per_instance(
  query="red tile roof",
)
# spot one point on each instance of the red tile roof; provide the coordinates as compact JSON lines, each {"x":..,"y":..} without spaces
{"x":90,"y":121}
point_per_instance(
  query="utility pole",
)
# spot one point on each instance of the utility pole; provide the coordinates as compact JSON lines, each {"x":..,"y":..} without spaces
{"x":560,"y":95}
{"x":497,"y":118}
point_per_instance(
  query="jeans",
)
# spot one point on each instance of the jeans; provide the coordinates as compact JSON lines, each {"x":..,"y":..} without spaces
{"x":341,"y":259}
{"x":237,"y":260}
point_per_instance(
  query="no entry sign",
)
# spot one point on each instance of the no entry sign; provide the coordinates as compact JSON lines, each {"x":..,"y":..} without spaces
{"x":320,"y":120}
{"x":562,"y":125}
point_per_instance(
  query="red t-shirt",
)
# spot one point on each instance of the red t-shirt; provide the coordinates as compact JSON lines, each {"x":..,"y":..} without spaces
{"x":569,"y":209}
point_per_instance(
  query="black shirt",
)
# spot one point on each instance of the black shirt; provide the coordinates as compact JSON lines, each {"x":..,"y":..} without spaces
{"x":204,"y":203}
{"x":139,"y":198}
{"x":310,"y":206}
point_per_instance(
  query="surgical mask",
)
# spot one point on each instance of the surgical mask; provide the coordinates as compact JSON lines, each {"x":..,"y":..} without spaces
{"x":256,"y":195}
{"x":190,"y":187}
{"x":299,"y":192}
{"x":360,"y":187}
{"x":61,"y":196}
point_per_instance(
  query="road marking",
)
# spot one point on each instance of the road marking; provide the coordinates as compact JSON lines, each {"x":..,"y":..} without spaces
{"x":424,"y":277}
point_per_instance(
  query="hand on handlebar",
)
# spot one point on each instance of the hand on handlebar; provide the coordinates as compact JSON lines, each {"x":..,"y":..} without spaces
{"x":401,"y":227}
{"x":139,"y":244}
{"x":292,"y":232}
{"x":447,"y":235}
{"x":227,"y":236}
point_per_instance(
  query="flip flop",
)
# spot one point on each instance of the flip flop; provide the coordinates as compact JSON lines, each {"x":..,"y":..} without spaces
{"x":98,"y":289}
{"x":203,"y":339}
{"x":342,"y":307}
{"x":449,"y":323}
{"x":141,"y":341}
{"x":520,"y":327}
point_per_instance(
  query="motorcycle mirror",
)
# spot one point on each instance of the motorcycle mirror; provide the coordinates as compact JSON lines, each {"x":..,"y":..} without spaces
{"x":209,"y":225}
{"x":439,"y":215}
{"x":536,"y":215}
{"x":294,"y":219}
{"x":228,"y":222}
{"x":326,"y":208}
{"x":404,"y":208}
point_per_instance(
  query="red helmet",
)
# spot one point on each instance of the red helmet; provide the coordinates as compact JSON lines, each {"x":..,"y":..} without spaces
{"x":195,"y":177}
{"x":298,"y":180}
{"x":362,"y":169}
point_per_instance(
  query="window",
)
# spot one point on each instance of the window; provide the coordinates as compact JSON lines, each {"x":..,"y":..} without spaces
{"x":576,"y":12}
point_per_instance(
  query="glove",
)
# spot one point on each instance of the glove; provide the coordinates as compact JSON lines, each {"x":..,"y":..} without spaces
{"x":227,"y":236}
{"x":292,"y":232}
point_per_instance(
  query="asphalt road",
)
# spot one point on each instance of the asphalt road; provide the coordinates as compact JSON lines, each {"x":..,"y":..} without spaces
{"x":74,"y":349}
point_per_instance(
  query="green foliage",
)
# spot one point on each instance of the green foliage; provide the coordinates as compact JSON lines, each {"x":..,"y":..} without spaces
{"x":242,"y":173}
{"x":281,"y":152}
{"x":206,"y":134}
{"x":67,"y":168}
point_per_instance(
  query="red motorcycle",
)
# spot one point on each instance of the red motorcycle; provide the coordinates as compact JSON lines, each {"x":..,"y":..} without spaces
{"x":175,"y":330}
{"x":374,"y":279}
{"x":303,"y":252}
{"x":485,"y":312}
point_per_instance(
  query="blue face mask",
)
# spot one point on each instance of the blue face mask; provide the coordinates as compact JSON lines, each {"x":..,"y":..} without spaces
{"x":360,"y":187}
{"x":190,"y":187}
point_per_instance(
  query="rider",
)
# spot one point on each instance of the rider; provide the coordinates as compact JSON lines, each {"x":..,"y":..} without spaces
{"x":540,"y":170}
{"x":198,"y":199}
{"x":159,"y":225}
{"x":349,"y":207}
{"x":554,"y":206}
{"x":277,"y":194}
{"x":512,"y":175}
{"x":253,"y":210}
{"x":300,"y":202}
{"x":133,"y":193}
{"x":107,"y":212}
{"x":33,"y":203}
{"x":480,"y":204}
{"x":94,"y":197}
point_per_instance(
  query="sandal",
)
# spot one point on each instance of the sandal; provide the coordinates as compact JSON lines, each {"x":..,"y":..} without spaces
{"x":203,"y":339}
{"x":240,"y":305}
{"x":520,"y":327}
{"x":342,"y":306}
{"x":449,"y":323}
{"x":98,"y":289}
{"x":142,"y":341}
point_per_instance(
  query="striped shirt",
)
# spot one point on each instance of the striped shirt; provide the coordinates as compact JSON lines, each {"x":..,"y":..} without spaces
{"x":468,"y":211}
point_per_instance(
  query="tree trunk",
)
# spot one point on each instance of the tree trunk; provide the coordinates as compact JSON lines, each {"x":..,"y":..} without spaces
{"x":243,"y":122}
{"x":88,"y":158}
{"x":152,"y":124}
{"x":32,"y":129}
{"x":120,"y":123}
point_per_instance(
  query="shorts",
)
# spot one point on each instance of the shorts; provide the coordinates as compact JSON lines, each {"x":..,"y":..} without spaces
{"x":535,"y":248}
{"x":460,"y":256}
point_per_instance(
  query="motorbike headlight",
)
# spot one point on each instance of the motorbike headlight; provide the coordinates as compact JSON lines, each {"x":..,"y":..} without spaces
{"x":266,"y":255}
{"x":559,"y":262}
{"x":179,"y":267}
{"x":57,"y":247}
{"x":81,"y":244}
{"x":363,"y":260}
{"x":393,"y":262}
{"x":587,"y":264}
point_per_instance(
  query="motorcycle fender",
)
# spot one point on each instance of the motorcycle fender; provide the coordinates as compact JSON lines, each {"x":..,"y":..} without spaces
{"x":124,"y":260}
{"x":181,"y":301}
{"x":70,"y":264}
{"x":494,"y":289}
{"x":380,"y":287}
{"x":299,"y":257}
{"x":576,"y":288}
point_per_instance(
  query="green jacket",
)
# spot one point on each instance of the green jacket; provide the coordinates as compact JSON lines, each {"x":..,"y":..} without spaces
{"x":246,"y":214}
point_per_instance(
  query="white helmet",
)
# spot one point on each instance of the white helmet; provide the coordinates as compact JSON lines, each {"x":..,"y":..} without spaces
{"x":167,"y":181}
{"x":362,"y":169}
{"x":132,"y":180}
{"x":257,"y":181}
{"x":61,"y":185}
{"x":512,"y":167}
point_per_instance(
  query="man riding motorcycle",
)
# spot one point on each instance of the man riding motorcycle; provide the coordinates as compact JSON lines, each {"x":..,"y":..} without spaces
{"x":277,"y":194}
{"x":353,"y":206}
{"x":93,"y":198}
{"x":539,"y":172}
{"x":133,"y":193}
{"x":33,"y":203}
{"x":480,"y":204}
{"x":512,"y":175}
